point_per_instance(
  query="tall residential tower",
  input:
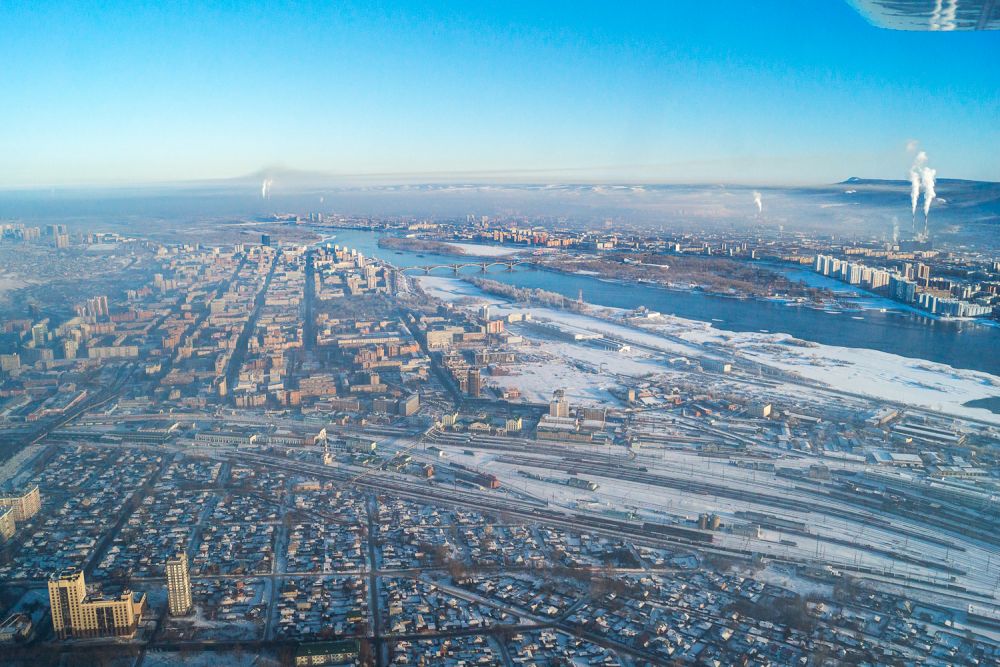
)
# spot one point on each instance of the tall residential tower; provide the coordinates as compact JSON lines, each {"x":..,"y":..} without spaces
{"x":178,"y":585}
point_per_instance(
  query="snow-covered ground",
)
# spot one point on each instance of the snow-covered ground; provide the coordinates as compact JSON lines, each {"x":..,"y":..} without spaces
{"x":586,"y":373}
{"x":786,"y":578}
{"x":156,"y":658}
{"x":478,"y":250}
{"x":877,"y":374}
{"x":15,"y":463}
{"x":10,"y":282}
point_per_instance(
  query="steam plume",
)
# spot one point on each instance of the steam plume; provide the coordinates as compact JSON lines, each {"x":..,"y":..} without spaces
{"x":915,"y":178}
{"x":758,"y":202}
{"x":927,"y":176}
{"x":265,"y":188}
{"x":927,"y":180}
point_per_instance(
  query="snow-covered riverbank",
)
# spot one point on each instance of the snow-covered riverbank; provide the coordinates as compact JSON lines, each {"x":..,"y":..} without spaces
{"x":873,"y":373}
{"x":477,"y":250}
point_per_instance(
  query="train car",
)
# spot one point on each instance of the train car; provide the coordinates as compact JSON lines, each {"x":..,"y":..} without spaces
{"x":676,"y":531}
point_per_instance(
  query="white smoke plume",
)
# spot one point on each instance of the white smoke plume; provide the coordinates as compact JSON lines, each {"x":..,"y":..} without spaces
{"x":265,"y":188}
{"x":927,"y":176}
{"x":915,"y":179}
{"x":758,"y":202}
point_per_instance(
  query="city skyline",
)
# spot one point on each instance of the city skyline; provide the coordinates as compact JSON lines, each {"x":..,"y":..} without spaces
{"x":761,"y":95}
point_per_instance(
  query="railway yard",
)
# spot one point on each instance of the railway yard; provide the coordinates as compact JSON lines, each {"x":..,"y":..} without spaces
{"x":289,"y":547}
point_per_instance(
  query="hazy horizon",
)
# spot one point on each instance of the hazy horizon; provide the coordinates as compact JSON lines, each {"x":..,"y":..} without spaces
{"x":295,"y":181}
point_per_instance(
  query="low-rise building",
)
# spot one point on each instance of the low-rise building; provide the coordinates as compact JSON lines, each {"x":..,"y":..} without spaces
{"x":16,"y":628}
{"x":327,"y":653}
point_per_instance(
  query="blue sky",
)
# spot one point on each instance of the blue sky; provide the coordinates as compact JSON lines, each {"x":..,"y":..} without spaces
{"x":749,"y":92}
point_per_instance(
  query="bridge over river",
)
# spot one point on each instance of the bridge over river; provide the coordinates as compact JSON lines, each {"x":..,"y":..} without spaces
{"x":482,"y":266}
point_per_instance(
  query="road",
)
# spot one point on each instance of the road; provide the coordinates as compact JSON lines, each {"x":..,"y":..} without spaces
{"x":236,"y":360}
{"x":380,"y":649}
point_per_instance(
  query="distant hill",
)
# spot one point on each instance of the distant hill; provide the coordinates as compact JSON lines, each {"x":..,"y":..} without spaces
{"x":855,"y":180}
{"x":963,"y":211}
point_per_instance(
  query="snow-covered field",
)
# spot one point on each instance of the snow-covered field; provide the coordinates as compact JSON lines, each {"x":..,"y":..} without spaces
{"x":877,"y":374}
{"x":586,"y":373}
{"x":478,"y":250}
{"x":10,"y":282}
{"x":15,"y":463}
{"x":157,"y":658}
{"x":786,"y":578}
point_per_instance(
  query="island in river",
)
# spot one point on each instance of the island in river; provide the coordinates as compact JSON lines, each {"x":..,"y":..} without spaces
{"x":715,"y":275}
{"x":413,"y":244}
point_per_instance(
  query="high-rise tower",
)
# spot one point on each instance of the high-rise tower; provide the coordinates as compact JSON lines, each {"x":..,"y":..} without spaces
{"x":178,"y":585}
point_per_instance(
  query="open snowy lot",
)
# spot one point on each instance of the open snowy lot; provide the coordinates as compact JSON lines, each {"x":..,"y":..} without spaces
{"x":881,"y":375}
{"x":478,"y":250}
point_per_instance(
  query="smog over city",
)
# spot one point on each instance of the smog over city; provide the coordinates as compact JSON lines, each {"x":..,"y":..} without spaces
{"x":500,"y":334}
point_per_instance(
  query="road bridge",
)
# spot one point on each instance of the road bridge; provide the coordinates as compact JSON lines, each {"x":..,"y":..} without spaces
{"x":482,"y":266}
